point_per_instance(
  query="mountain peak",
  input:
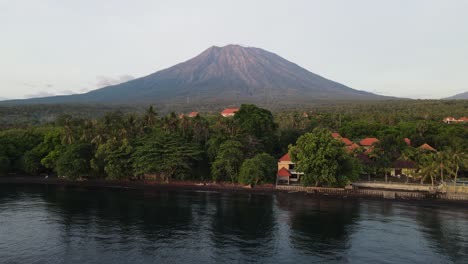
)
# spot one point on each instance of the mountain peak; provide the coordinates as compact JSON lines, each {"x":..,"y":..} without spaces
{"x":228,"y":74}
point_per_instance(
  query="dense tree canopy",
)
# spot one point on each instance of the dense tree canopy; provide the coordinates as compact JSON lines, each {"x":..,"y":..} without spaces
{"x":322,"y":159}
{"x":121,"y":142}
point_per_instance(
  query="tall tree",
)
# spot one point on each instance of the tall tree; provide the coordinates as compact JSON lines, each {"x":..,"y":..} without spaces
{"x":259,"y":169}
{"x":228,"y":161}
{"x":320,"y":157}
{"x":166,"y":155}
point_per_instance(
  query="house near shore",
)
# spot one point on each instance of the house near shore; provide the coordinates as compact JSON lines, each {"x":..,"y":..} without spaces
{"x":403,"y":168}
{"x":287,"y":173}
{"x":229,"y":112}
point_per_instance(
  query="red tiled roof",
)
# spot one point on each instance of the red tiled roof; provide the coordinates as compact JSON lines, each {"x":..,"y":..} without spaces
{"x":463,"y":119}
{"x":230,"y":110}
{"x":284,"y":173}
{"x":285,"y":157}
{"x":449,"y":118}
{"x":193,"y":114}
{"x":407,"y":141}
{"x":347,"y":141}
{"x":352,"y":147}
{"x":336,"y":135}
{"x":369,"y":150}
{"x":426,"y":146}
{"x":368,"y":142}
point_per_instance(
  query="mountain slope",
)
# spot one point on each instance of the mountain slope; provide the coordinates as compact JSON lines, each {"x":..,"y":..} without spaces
{"x":460,"y":96}
{"x":222,"y":74}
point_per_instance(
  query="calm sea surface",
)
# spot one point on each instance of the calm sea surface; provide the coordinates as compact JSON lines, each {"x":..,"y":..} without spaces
{"x":49,"y":224}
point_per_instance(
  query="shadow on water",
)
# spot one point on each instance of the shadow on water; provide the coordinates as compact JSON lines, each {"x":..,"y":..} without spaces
{"x":153,"y":215}
{"x":320,"y":227}
{"x":445,"y":230}
{"x":243,"y":226}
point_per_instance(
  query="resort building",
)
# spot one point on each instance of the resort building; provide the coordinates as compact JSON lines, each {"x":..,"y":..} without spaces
{"x":229,"y":112}
{"x":193,"y":114}
{"x":449,"y":120}
{"x":368,"y":142}
{"x":287,"y":173}
{"x":426,"y":147}
{"x":346,"y":141}
{"x":403,"y":168}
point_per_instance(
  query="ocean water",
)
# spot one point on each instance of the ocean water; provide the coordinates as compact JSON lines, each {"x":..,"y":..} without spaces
{"x":53,"y":224}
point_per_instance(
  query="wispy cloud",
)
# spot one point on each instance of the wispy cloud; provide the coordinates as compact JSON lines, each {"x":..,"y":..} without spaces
{"x":39,"y":94}
{"x":103,"y":81}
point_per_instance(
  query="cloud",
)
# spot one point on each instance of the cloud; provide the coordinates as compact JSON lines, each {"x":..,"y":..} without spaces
{"x":66,"y":92}
{"x":39,"y":94}
{"x":103,"y":81}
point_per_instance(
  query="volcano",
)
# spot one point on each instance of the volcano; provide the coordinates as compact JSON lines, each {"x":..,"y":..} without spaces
{"x":229,"y":74}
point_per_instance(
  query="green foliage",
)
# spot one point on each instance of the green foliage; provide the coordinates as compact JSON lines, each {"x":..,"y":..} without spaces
{"x":322,"y":159}
{"x":13,"y":144}
{"x":114,"y":133}
{"x":258,"y":123}
{"x":257,"y":170}
{"x":33,"y":158}
{"x":114,"y":157}
{"x":73,"y":160}
{"x":165,"y":154}
{"x":228,"y":160}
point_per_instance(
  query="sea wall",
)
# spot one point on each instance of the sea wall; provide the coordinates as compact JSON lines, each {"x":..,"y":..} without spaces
{"x":372,"y":193}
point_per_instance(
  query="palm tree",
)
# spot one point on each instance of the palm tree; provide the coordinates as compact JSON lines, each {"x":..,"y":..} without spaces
{"x":458,"y":159}
{"x":68,"y":133}
{"x":429,"y":168}
{"x":150,"y":117}
{"x":443,"y":163}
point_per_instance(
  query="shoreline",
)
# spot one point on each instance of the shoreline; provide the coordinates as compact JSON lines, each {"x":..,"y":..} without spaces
{"x":324,"y":193}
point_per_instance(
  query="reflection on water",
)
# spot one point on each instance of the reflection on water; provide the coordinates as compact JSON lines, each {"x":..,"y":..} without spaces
{"x":49,"y":224}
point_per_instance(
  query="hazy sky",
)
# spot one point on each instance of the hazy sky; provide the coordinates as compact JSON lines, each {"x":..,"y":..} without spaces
{"x":406,"y":48}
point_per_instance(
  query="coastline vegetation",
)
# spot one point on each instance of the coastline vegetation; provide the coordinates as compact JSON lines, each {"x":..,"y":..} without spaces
{"x":119,"y":145}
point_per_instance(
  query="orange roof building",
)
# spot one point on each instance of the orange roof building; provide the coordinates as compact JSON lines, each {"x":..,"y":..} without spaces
{"x":351,"y":148}
{"x":367,"y":142}
{"x":285,"y":157}
{"x":193,"y":114}
{"x":228,"y":112}
{"x":407,"y":141}
{"x":287,"y":173}
{"x":347,"y":141}
{"x":427,"y":147}
{"x":336,"y":135}
{"x":283,"y":172}
{"x":449,"y":119}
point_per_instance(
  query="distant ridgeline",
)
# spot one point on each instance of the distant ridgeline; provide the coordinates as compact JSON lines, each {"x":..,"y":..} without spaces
{"x":392,"y":111}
